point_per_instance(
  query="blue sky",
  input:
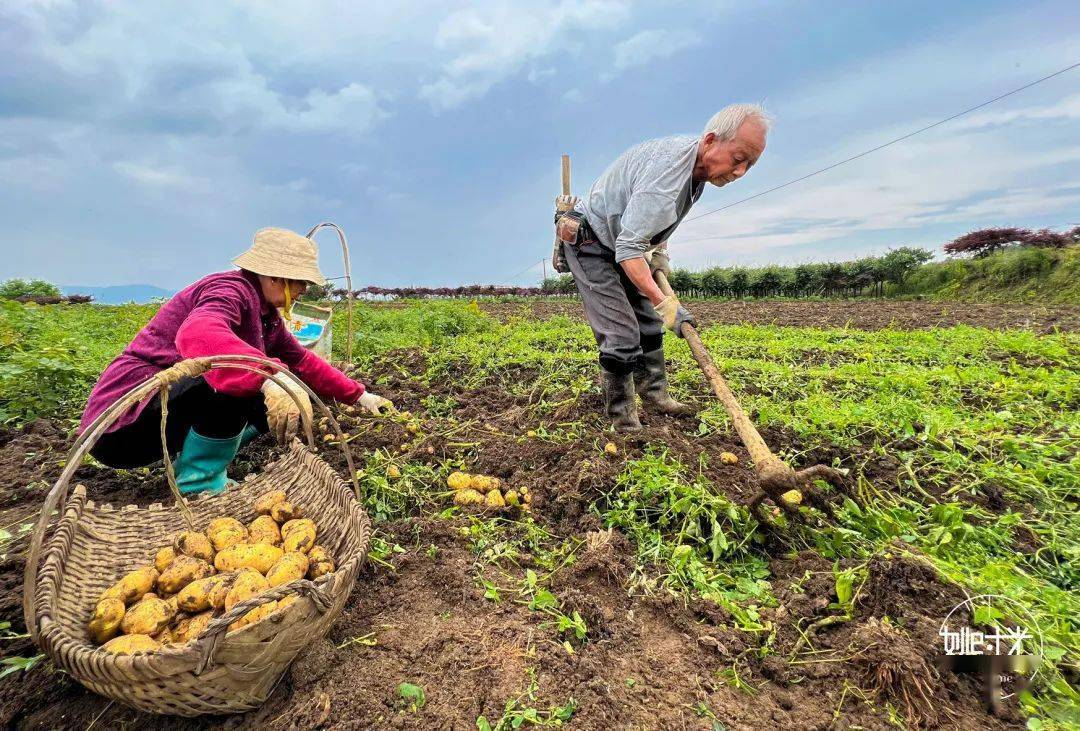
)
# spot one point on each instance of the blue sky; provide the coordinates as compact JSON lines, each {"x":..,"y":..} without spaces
{"x":146,"y":142}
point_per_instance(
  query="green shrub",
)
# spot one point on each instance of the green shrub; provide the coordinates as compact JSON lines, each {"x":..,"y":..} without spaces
{"x":1016,"y":265}
{"x":15,"y":288}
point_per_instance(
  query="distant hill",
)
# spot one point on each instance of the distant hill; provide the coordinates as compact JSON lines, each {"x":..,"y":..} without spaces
{"x":118,"y":294}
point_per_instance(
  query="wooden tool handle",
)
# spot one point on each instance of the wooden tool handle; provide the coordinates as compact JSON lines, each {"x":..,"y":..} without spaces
{"x":566,"y":175}
{"x":751,"y":439}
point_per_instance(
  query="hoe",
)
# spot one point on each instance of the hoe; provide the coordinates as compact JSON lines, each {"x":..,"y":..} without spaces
{"x":777,"y":481}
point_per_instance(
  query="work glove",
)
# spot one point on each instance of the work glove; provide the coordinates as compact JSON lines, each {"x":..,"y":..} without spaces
{"x":558,"y":261}
{"x":282,"y":413}
{"x":659,"y":262}
{"x":375,"y":404}
{"x":673,"y":314}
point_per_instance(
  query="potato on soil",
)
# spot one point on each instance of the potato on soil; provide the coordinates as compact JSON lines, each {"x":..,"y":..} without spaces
{"x":247,"y":584}
{"x":468,"y":497}
{"x":128,"y":644}
{"x":133,"y":586}
{"x":269,"y":500}
{"x":258,"y":556}
{"x":482,"y":483}
{"x":195,"y":597}
{"x":163,"y":558}
{"x":494,"y":499}
{"x":195,"y":545}
{"x":182,"y":572}
{"x":729,"y":458}
{"x":320,"y":563}
{"x":289,"y":567}
{"x":225,"y":532}
{"x":264,"y":530}
{"x":298,"y":535}
{"x":284,"y":512}
{"x":108,"y":614}
{"x":458,"y":481}
{"x":511,"y":498}
{"x":148,"y":617}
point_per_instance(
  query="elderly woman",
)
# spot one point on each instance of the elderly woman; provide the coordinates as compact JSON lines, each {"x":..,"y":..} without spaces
{"x":210,"y":417}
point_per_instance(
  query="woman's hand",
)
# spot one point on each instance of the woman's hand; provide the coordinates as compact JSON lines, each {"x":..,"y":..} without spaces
{"x":374,"y":403}
{"x":282,"y":413}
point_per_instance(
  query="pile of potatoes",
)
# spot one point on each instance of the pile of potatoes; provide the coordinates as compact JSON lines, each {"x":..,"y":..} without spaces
{"x":203,"y":575}
{"x":487,"y":491}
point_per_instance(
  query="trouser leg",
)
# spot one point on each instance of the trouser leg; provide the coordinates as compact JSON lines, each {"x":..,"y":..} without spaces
{"x":193,"y":405}
{"x":612,"y":318}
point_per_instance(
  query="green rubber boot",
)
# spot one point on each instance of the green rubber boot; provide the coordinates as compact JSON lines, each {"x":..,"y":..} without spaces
{"x":202,"y":462}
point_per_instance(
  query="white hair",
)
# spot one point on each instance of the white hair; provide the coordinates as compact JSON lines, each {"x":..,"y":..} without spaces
{"x":725,"y":123}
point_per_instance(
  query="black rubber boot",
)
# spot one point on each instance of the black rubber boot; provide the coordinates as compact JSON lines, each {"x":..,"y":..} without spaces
{"x":650,"y":380}
{"x":619,"y":400}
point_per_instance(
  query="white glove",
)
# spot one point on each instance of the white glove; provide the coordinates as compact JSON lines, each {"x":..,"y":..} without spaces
{"x":282,"y":414}
{"x":659,"y":261}
{"x":374,"y":403}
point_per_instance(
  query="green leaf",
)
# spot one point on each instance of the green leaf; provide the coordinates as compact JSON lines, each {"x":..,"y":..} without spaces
{"x":482,"y":724}
{"x":844,"y":583}
{"x":412,"y":694}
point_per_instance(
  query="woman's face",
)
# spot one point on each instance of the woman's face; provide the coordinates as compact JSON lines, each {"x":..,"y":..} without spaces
{"x":273,"y":289}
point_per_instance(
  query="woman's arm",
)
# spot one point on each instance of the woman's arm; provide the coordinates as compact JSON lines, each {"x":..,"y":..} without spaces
{"x":210,"y":329}
{"x":323,"y":378}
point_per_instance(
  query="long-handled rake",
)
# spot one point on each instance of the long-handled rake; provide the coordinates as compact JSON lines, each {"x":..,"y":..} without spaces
{"x":778,"y":482}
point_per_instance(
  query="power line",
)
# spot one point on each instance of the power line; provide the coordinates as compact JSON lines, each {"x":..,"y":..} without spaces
{"x":884,"y":145}
{"x":511,"y":279}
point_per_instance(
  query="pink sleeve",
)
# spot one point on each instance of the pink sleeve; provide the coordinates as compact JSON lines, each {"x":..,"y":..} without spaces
{"x":208,"y":330}
{"x":324,"y":379}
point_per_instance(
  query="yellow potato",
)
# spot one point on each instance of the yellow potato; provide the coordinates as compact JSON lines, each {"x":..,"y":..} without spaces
{"x":129,"y":644}
{"x":219,"y":591}
{"x":458,"y":481}
{"x":164,"y":637}
{"x":494,"y":499}
{"x":195,"y":597}
{"x":289,"y":567}
{"x":182,"y":572}
{"x":269,"y":500}
{"x":105,"y":623}
{"x":468,"y":497}
{"x":284,"y":512}
{"x":481,"y":483}
{"x":133,"y":586}
{"x":298,"y":535}
{"x":320,"y":563}
{"x":191,"y":627}
{"x":163,"y":558}
{"x":195,"y":545}
{"x":247,"y":584}
{"x":147,"y":617}
{"x":258,"y":556}
{"x":286,"y":601}
{"x":511,"y":498}
{"x":254,"y":616}
{"x":225,"y":532}
{"x":265,"y":530}
{"x":729,"y":458}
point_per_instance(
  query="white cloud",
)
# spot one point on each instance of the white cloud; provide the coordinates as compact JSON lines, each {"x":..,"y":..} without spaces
{"x":492,"y":43}
{"x":640,"y":49}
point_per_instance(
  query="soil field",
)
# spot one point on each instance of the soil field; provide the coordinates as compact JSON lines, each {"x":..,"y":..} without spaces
{"x":862,"y":314}
{"x":776,"y":628}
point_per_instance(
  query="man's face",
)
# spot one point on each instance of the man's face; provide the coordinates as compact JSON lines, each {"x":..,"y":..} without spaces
{"x":723,"y":161}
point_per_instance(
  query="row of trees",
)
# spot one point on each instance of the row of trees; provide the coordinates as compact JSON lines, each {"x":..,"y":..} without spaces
{"x":868,"y":275}
{"x":988,"y":240}
{"x":471,"y":291}
{"x":38,"y":291}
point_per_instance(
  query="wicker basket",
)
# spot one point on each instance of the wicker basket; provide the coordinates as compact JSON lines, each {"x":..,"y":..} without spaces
{"x":94,"y":545}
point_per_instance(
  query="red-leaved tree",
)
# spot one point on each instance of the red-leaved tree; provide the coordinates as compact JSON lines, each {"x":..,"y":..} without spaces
{"x":1048,"y":239}
{"x":987,"y":241}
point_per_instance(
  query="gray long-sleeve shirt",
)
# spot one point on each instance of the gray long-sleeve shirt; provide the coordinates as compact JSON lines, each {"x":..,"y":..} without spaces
{"x":643,"y":196}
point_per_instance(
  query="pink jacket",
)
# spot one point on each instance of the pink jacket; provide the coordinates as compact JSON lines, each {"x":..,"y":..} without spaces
{"x":220,"y":314}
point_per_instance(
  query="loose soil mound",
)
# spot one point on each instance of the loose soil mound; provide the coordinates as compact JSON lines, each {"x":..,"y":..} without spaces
{"x":860,"y":314}
{"x":647,"y":661}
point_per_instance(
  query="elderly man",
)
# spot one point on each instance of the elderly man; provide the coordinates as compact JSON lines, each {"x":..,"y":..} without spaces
{"x":616,"y":237}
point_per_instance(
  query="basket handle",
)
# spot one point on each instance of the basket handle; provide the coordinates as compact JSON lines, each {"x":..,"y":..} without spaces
{"x":158,"y":383}
{"x":207,"y":643}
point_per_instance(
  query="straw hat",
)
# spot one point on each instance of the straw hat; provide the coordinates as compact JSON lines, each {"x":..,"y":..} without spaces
{"x":278,"y":252}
